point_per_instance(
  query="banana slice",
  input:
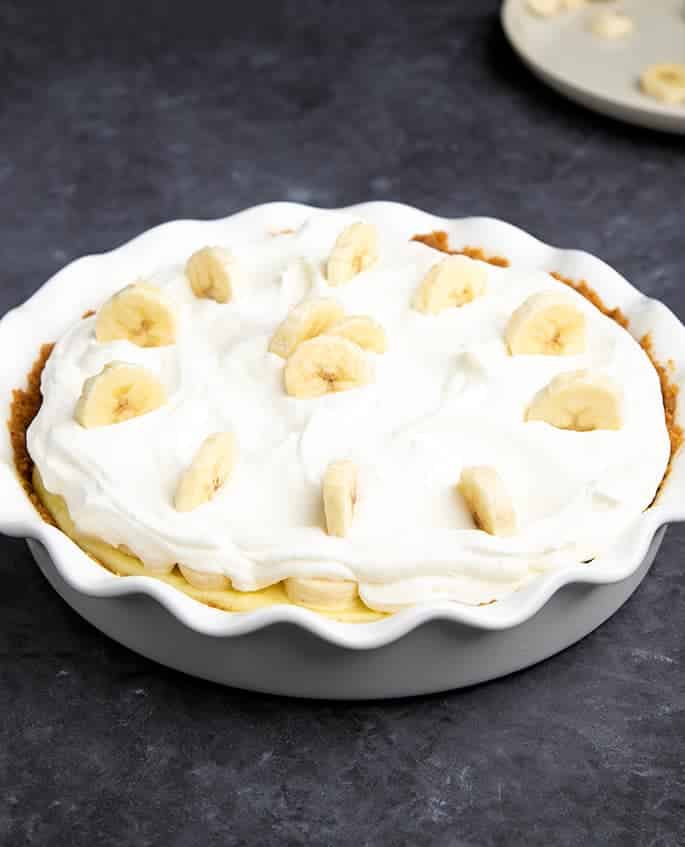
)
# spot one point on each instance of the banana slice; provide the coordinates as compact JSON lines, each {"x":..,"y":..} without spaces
{"x":139,"y":313}
{"x":547,"y":324}
{"x":339,"y":496}
{"x":578,"y":400}
{"x":454,"y":281}
{"x":612,"y":24}
{"x":118,"y":393}
{"x":544,"y":8}
{"x":364,"y":331}
{"x":328,"y":595}
{"x":665,"y":82}
{"x":204,"y":580}
{"x":325,"y":364}
{"x":305,"y":321}
{"x":213,"y":273}
{"x":488,"y":499}
{"x":355,"y":250}
{"x":207,"y":473}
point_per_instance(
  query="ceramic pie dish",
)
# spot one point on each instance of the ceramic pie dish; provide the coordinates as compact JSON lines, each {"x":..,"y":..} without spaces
{"x":288,"y":649}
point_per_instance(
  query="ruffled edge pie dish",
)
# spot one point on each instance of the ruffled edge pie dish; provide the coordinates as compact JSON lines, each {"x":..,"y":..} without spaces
{"x":70,"y":292}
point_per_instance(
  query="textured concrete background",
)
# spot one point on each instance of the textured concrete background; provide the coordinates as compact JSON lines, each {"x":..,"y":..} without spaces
{"x":112,"y":121}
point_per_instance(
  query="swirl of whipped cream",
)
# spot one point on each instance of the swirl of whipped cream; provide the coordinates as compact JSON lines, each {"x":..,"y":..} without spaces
{"x":445,"y":395}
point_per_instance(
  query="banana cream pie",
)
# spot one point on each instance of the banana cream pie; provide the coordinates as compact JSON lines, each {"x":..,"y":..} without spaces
{"x":347,"y":419}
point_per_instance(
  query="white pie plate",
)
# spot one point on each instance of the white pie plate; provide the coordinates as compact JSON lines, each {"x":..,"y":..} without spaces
{"x":291,"y":650}
{"x":598,"y":73}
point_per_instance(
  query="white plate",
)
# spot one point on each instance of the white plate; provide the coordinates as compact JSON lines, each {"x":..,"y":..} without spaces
{"x":600,"y":73}
{"x":286,"y":649}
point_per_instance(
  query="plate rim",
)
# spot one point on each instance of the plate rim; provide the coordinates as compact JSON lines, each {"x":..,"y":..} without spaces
{"x":652,"y":115}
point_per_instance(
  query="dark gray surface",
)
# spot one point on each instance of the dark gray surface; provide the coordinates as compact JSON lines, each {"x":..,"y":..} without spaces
{"x":112,"y":122}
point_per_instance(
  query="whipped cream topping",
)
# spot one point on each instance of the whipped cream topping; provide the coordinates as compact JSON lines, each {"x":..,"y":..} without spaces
{"x":445,"y":395}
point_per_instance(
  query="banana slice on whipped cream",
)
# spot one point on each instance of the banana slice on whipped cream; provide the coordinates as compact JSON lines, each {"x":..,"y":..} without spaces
{"x":488,"y":500}
{"x":309,"y":319}
{"x":326,"y":364}
{"x":139,"y":313}
{"x":214,"y":273}
{"x":118,"y":393}
{"x":547,"y":324}
{"x":579,"y":400}
{"x":355,"y":250}
{"x":453,"y":282}
{"x":211,"y":467}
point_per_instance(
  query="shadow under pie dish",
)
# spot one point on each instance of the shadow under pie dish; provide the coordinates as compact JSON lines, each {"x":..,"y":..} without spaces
{"x":417,"y":369}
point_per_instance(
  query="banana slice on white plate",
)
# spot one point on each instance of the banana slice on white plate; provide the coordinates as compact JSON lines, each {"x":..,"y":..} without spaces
{"x":139,"y":313}
{"x":118,"y":393}
{"x":544,"y":8}
{"x":612,"y":24}
{"x":665,"y":82}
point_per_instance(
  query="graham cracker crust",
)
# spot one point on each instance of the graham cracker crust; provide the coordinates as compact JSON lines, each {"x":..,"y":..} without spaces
{"x":669,"y":397}
{"x":438,"y":240}
{"x":583,"y":288}
{"x":26,"y":402}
